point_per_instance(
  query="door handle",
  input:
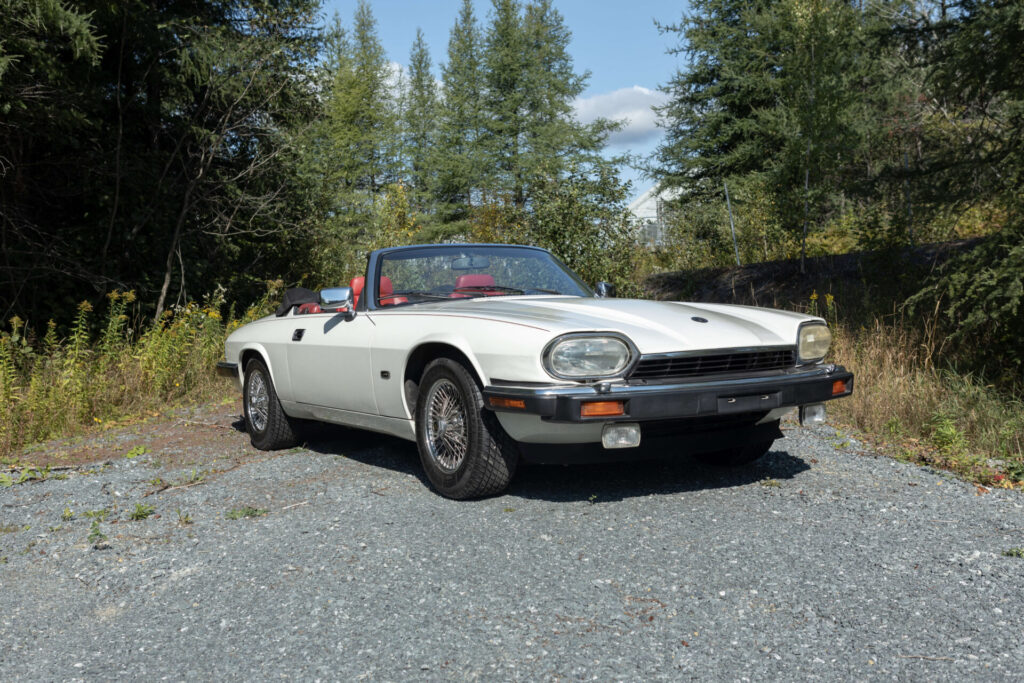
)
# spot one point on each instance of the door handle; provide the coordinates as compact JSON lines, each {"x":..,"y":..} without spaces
{"x":297,"y":335}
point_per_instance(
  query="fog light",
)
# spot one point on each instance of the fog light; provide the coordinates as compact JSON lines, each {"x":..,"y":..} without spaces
{"x":812,"y":414}
{"x":621,"y":435}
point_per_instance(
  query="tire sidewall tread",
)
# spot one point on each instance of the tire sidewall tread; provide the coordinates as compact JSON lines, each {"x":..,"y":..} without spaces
{"x":280,"y":432}
{"x":492,"y":457}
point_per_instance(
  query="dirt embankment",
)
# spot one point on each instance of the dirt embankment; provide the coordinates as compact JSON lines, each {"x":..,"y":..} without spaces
{"x":869,"y":278}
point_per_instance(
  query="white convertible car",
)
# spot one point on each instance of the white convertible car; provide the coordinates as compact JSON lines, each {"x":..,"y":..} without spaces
{"x":488,"y":354}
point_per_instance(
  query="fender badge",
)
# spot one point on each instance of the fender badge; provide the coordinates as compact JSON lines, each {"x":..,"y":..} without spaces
{"x":698,"y":319}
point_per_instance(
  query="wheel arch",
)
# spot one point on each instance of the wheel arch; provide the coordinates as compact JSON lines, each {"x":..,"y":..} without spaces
{"x":421,"y":356}
{"x":255,"y":351}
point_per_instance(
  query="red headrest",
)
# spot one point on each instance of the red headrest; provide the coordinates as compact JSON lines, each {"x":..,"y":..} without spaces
{"x":474,"y":280}
{"x":385,"y":285}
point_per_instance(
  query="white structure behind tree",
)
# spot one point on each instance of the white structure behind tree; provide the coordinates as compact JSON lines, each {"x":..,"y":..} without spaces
{"x":651,"y":210}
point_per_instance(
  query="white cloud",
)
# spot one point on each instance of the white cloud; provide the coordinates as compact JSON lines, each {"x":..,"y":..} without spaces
{"x":630,"y":105}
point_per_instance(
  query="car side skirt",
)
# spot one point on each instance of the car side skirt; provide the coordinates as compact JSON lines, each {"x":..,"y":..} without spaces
{"x":395,"y":426}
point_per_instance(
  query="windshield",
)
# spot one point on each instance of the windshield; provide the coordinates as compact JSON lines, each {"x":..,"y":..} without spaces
{"x":445,"y":273}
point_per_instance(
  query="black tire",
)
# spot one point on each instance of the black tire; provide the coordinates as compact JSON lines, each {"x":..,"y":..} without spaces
{"x":269,"y":428}
{"x":736,"y":457}
{"x":476,"y":457}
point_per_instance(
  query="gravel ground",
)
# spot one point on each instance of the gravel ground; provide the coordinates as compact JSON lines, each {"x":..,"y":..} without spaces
{"x":822,"y":561}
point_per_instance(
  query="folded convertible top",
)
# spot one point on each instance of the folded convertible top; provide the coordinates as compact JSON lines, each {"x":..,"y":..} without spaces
{"x":296,"y":297}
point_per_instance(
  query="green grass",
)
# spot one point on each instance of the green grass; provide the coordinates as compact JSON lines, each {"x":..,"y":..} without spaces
{"x":96,"y":535}
{"x":136,"y":452}
{"x":141,"y":512}
{"x":244,"y":512}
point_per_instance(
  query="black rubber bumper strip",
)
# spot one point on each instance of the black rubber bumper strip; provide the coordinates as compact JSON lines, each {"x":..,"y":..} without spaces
{"x":660,"y":401}
{"x":226,"y":369}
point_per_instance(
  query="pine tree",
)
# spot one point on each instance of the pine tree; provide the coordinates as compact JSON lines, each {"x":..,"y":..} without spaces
{"x":506,"y":65}
{"x":531,"y":134}
{"x":775,"y":96}
{"x":366,"y":107}
{"x":458,"y":153}
{"x":420,"y":117}
{"x":353,"y":152}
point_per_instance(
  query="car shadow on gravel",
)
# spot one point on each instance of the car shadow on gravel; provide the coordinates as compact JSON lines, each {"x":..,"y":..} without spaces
{"x":366,"y":447}
{"x":605,"y":482}
{"x":602,"y":482}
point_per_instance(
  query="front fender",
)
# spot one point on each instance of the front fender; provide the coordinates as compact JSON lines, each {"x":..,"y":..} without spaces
{"x":276,"y":364}
{"x":493,"y":349}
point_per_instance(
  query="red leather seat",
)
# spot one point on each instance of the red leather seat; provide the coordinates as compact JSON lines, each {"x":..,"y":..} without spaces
{"x":357,"y":284}
{"x":309,"y":308}
{"x":474,"y":280}
{"x":386,"y":287}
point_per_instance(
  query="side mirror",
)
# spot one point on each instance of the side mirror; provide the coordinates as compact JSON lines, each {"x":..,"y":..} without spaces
{"x":604,"y":290}
{"x":338,"y":298}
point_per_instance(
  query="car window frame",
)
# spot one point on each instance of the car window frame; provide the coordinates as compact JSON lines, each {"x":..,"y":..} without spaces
{"x":368,"y":299}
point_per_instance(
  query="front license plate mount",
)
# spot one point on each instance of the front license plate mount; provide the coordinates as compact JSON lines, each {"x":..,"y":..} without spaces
{"x":749,"y":404}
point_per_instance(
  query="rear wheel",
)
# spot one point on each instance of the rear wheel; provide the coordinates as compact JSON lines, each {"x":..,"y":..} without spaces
{"x":735,"y":457}
{"x":268,"y":426}
{"x":464,"y":450}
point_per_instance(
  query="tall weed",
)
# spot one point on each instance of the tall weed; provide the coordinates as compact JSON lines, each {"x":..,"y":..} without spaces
{"x":54,"y":387}
{"x":953,"y":420}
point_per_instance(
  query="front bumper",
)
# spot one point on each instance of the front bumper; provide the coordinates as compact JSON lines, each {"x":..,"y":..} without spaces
{"x":697,"y":398}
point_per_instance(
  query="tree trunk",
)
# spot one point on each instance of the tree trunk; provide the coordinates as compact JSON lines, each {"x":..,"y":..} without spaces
{"x":807,"y":197}
{"x":186,"y":204}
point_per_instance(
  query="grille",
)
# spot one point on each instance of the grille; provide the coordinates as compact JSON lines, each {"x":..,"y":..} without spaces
{"x":717,"y":364}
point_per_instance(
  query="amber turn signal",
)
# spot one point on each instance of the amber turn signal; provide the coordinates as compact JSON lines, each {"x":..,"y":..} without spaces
{"x":602,"y":409}
{"x":839,"y":387}
{"x":515,"y":403}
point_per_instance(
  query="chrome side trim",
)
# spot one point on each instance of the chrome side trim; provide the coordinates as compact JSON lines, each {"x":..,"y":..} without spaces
{"x":624,"y":388}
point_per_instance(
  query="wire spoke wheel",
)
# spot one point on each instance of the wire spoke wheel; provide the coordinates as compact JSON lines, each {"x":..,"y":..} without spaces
{"x":268,"y":425}
{"x":259,"y":402}
{"x":447,"y":433}
{"x":464,"y":450}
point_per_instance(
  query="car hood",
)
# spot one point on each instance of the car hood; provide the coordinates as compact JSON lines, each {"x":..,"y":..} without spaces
{"x":654,"y":326}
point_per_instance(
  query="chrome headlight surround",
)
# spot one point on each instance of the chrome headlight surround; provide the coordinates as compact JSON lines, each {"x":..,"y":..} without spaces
{"x":554,"y":352}
{"x":813,"y":341}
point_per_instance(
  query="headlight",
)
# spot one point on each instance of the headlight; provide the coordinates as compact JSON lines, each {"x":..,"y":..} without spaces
{"x":814,"y":342}
{"x":585,"y":357}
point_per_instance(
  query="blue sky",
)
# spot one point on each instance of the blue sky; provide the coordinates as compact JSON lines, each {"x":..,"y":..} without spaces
{"x":616,"y":41}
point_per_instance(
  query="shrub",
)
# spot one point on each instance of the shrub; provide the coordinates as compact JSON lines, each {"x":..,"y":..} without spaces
{"x":52,"y":387}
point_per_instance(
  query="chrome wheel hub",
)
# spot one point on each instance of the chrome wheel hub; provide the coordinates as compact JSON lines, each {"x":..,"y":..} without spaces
{"x":258,"y":403}
{"x":447,"y":437}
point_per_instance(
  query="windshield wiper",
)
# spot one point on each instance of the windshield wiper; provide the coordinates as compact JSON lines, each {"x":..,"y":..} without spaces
{"x":416,"y":292}
{"x":488,"y":288}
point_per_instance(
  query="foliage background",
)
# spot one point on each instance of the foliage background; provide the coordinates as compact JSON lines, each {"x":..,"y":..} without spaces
{"x":192,"y":150}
